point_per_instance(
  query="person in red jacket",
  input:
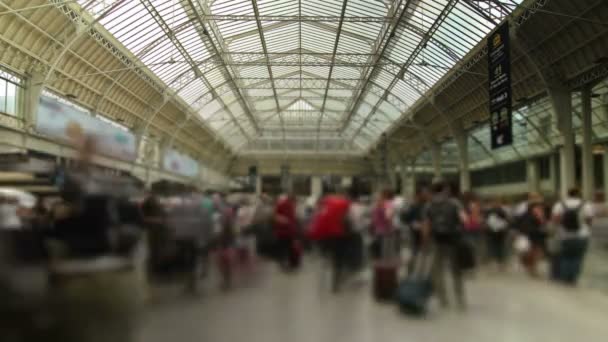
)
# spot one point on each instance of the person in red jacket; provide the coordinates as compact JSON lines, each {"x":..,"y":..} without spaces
{"x":285,"y":229}
{"x":332,"y":228}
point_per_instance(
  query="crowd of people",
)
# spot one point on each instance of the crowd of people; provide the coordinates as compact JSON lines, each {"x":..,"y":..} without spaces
{"x":194,"y":232}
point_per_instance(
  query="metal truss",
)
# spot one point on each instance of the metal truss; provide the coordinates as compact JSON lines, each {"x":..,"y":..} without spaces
{"x":186,"y":55}
{"x":590,"y":77}
{"x":296,"y":18}
{"x":331,"y":69}
{"x":403,"y":69}
{"x":196,"y":11}
{"x":492,"y":10}
{"x":380,"y":46}
{"x":79,"y":20}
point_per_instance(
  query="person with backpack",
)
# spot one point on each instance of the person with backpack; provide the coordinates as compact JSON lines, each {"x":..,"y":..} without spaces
{"x":444,"y":218}
{"x":574,"y":217}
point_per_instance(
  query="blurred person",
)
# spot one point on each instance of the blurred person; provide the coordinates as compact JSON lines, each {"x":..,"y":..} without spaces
{"x":574,"y":217}
{"x":40,"y":216}
{"x":532,"y":227}
{"x":9,"y":213}
{"x":474,"y":223}
{"x":96,"y":291}
{"x":382,"y":223}
{"x":224,"y":218}
{"x":285,"y":229}
{"x":414,"y":219}
{"x":444,"y":218}
{"x":331,"y":228}
{"x":154,"y":218}
{"x":357,"y":224}
{"x":498,"y":222}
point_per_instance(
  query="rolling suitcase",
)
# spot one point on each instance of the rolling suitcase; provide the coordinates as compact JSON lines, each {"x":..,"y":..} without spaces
{"x":386,"y":271}
{"x":414,"y":291}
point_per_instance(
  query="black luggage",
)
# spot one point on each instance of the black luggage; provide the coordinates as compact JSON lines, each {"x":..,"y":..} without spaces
{"x":414,"y":291}
{"x":465,"y":253}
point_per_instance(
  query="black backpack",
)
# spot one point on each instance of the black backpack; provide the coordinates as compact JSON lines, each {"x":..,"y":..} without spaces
{"x":571,"y":220}
{"x":445,"y":219}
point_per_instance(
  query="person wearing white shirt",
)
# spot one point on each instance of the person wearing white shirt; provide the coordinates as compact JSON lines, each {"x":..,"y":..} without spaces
{"x":573,"y":216}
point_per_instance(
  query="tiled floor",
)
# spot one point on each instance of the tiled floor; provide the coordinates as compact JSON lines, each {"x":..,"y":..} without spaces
{"x":294,"y":308}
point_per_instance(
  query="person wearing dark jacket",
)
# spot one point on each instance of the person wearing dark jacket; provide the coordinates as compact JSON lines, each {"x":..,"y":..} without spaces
{"x":497,"y":221}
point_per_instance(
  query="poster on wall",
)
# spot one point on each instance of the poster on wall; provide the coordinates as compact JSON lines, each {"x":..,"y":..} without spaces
{"x":69,"y":125}
{"x":499,"y":77}
{"x":179,"y":163}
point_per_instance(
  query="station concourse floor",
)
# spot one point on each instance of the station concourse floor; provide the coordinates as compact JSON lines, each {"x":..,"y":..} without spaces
{"x":279,"y":307}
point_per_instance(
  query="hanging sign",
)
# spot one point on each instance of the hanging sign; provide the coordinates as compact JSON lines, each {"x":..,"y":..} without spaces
{"x":499,"y":77}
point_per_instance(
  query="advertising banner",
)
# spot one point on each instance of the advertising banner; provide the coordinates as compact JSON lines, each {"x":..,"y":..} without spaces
{"x":179,"y":163}
{"x":499,"y":77}
{"x":70,"y":125}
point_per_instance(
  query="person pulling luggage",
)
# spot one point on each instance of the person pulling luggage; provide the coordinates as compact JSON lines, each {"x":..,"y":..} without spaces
{"x":444,"y":218}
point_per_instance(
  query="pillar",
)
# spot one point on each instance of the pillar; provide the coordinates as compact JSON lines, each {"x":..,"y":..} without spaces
{"x":32,"y":98}
{"x":462,"y":143}
{"x":408,"y":180}
{"x":605,"y":107}
{"x":553,"y":173}
{"x":436,"y":156}
{"x":346,"y":182}
{"x":562,"y":104}
{"x":587,"y":148}
{"x":533,"y":175}
{"x":286,"y":180}
{"x":258,"y":184}
{"x":605,"y":171}
{"x":316,"y":186}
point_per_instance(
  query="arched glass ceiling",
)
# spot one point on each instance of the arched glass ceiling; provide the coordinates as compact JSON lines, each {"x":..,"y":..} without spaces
{"x":350,"y":67}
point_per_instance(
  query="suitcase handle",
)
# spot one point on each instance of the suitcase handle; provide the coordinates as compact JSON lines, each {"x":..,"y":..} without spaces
{"x":423,"y":264}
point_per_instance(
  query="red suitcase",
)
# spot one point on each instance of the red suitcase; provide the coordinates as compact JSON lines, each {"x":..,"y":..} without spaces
{"x":386,"y":270}
{"x":385,"y":279}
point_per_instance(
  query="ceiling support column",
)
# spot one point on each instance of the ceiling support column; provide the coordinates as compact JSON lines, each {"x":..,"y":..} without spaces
{"x":258,"y":184}
{"x":316,"y":186}
{"x":587,"y":147}
{"x":533,"y":175}
{"x":436,"y":157}
{"x":408,"y":179}
{"x":33,"y":91}
{"x":462,"y":143}
{"x":562,"y":103}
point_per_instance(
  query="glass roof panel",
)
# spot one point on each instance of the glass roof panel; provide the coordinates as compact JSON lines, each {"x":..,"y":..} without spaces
{"x":307,"y":51}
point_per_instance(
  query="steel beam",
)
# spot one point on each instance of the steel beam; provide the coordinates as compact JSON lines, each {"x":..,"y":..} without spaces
{"x":331,"y":69}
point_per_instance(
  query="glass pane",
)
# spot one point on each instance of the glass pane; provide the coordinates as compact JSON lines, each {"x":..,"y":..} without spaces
{"x":11,"y":99}
{"x":2,"y":96}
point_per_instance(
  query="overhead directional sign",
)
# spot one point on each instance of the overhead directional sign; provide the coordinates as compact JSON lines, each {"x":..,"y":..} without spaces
{"x":499,"y":77}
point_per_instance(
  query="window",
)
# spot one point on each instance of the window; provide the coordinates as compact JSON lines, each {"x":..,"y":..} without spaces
{"x":10,"y":92}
